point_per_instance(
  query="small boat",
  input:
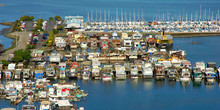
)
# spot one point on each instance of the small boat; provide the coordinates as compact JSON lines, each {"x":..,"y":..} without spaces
{"x":210,"y":75}
{"x":185,"y":74}
{"x":29,"y":107}
{"x":197,"y":74}
{"x":134,"y":72}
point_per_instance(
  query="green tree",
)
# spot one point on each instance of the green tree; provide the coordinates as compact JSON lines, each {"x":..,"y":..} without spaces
{"x":17,"y":59}
{"x":26,"y":55}
{"x":5,"y":62}
{"x":50,"y":18}
{"x":58,"y":18}
{"x":59,"y":27}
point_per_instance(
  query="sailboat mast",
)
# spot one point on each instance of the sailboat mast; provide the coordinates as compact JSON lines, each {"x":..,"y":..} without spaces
{"x":121,"y":15}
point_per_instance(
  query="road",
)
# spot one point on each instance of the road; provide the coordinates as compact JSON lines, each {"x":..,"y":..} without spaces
{"x":22,"y":42}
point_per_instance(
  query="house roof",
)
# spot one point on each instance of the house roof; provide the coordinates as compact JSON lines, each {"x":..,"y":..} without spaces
{"x":62,"y":103}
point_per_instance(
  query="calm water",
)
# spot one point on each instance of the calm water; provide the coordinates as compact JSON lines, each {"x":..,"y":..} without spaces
{"x":142,"y":95}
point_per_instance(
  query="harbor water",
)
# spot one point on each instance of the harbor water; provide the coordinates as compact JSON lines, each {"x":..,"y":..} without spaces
{"x":131,"y":94}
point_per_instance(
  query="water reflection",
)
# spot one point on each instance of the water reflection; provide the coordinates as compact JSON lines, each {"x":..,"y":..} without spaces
{"x":196,"y":84}
{"x":147,"y":84}
{"x":171,"y":83}
{"x":159,"y":83}
{"x":96,"y":82}
{"x":134,"y":82}
{"x":85,"y":82}
{"x":120,"y":83}
{"x":185,"y":84}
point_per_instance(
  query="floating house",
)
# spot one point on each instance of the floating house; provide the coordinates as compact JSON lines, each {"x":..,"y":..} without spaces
{"x":60,"y":43}
{"x":38,"y":74}
{"x":37,"y":55}
{"x":120,"y":71}
{"x":74,"y":21}
{"x":104,"y":42}
{"x":55,"y":58}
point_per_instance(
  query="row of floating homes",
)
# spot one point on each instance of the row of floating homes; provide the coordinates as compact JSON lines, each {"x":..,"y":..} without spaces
{"x":51,"y":96}
{"x":172,"y":68}
{"x":105,"y":41}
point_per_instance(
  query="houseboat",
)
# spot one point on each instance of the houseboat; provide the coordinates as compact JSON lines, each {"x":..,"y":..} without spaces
{"x":51,"y":71}
{"x":83,"y":44}
{"x":86,"y":73}
{"x":134,"y":72}
{"x":151,"y":41}
{"x":38,"y":74}
{"x":45,"y":105}
{"x":136,"y":36}
{"x":104,"y":42}
{"x":172,"y":73}
{"x":107,"y":73}
{"x":120,"y":71}
{"x":210,"y":75}
{"x":164,"y":40}
{"x":79,"y":57}
{"x":197,"y":74}
{"x":147,"y":71}
{"x":27,"y":74}
{"x":127,"y":42}
{"x":68,"y":56}
{"x":74,"y":70}
{"x":159,"y":72}
{"x":63,"y":105}
{"x":185,"y":74}
{"x":8,"y":74}
{"x":94,"y":41}
{"x":62,"y":73}
{"x":17,"y":74}
{"x":60,"y":43}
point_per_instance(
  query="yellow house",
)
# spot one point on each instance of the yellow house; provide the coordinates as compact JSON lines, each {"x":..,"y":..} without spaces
{"x":124,"y":35}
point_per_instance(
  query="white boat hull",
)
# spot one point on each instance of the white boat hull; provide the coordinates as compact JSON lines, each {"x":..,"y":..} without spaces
{"x":185,"y":79}
{"x":106,"y":78}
